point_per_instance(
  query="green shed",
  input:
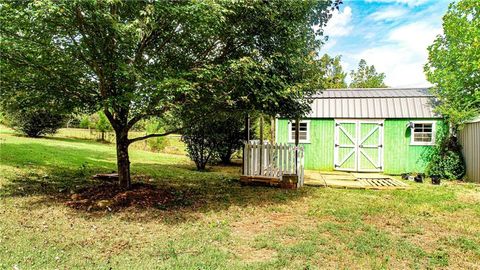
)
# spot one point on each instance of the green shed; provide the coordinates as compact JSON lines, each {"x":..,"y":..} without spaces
{"x":389,"y":130}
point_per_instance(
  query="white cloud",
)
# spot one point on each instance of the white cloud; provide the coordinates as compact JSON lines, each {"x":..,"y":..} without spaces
{"x":330,"y":44}
{"x":339,"y":25}
{"x":415,"y":36}
{"x":407,"y":2}
{"x":403,"y":54}
{"x":388,"y":13}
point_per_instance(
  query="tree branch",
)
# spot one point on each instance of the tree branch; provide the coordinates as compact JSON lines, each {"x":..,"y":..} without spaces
{"x":110,"y":117}
{"x":153,"y":135}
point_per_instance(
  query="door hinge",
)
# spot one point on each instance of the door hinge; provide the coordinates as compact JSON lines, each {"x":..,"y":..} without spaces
{"x":337,"y":124}
{"x":381,"y":145}
{"x":337,"y":145}
{"x":381,"y":124}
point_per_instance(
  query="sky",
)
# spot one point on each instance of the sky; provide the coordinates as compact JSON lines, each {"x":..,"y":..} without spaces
{"x":393,"y":35}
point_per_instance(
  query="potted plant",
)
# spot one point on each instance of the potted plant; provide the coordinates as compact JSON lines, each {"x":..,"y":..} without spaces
{"x":405,"y":176}
{"x":435,"y":179}
{"x":419,"y":178}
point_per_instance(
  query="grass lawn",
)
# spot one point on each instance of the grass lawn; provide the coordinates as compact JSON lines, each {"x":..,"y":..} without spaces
{"x":220,"y":224}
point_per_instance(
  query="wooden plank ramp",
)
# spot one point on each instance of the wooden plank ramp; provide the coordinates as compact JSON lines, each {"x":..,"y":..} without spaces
{"x":353,"y":180}
{"x":382,"y":183}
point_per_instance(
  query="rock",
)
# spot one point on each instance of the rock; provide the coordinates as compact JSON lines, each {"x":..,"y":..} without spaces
{"x":75,"y":197}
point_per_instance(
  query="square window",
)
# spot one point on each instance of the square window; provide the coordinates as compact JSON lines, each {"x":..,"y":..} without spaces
{"x":303,"y":131}
{"x":423,"y":133}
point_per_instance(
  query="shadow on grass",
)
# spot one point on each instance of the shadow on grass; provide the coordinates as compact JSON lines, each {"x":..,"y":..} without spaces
{"x":54,"y":173}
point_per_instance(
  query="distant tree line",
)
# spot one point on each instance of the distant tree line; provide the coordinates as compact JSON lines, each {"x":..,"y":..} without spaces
{"x":333,"y":76}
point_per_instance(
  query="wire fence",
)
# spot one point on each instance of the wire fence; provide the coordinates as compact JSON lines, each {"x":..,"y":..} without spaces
{"x":171,"y":144}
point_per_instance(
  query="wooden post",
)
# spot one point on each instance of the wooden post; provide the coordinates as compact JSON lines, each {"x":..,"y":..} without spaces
{"x":261,"y":145}
{"x":297,"y":139}
{"x":247,"y":139}
{"x":272,"y":129}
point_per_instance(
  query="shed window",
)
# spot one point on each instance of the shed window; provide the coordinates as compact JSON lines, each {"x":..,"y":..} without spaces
{"x":303,"y":133}
{"x":423,"y":133}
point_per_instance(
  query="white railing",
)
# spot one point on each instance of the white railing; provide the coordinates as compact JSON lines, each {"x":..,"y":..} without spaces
{"x":273,"y":160}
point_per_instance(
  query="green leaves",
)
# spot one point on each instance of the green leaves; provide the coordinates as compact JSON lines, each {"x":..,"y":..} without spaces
{"x":139,"y":59}
{"x":334,"y":76}
{"x":454,"y":62}
{"x":367,"y":77}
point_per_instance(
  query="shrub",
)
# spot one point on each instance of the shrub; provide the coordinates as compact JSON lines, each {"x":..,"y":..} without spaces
{"x":230,"y":133}
{"x":102,"y":124}
{"x":200,"y":142}
{"x":36,"y":122}
{"x":447,"y":161}
{"x":155,"y":126}
{"x":85,"y":122}
{"x":213,"y":139}
{"x":3,"y":120}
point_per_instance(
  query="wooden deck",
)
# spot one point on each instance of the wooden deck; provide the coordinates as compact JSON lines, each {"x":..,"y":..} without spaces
{"x":349,"y":180}
{"x":259,"y":180}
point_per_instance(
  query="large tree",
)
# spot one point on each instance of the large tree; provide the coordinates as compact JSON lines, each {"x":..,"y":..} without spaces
{"x":367,"y":77}
{"x":454,"y":62}
{"x":333,"y":74}
{"x":137,"y":59}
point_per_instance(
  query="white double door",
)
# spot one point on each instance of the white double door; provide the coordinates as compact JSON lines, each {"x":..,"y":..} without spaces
{"x":358,"y":145}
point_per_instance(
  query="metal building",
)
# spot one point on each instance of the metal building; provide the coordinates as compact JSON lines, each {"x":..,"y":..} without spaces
{"x":470,"y":140}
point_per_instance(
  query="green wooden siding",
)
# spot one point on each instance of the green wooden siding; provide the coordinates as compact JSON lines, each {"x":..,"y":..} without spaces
{"x":319,"y":152}
{"x":399,"y":155}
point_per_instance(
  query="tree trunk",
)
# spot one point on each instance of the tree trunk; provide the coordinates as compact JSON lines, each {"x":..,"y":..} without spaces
{"x":226,"y":157}
{"x":123,"y":161}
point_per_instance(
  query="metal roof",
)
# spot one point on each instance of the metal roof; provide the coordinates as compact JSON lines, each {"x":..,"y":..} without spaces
{"x":373,"y":103}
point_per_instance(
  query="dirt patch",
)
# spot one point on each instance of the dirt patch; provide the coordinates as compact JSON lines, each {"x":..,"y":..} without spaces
{"x":111,"y":197}
{"x":250,"y":255}
{"x":469,"y":197}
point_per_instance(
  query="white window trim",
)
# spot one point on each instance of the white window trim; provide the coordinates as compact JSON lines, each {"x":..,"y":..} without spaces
{"x":292,"y":140}
{"x":434,"y":133}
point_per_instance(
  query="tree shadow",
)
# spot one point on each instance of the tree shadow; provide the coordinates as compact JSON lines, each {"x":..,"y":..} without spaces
{"x":56,"y":172}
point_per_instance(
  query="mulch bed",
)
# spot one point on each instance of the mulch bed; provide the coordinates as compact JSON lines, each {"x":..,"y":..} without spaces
{"x":111,"y":197}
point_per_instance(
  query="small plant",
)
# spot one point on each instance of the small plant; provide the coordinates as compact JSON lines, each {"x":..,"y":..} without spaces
{"x":419,"y":178}
{"x":83,"y":169}
{"x":435,"y":179}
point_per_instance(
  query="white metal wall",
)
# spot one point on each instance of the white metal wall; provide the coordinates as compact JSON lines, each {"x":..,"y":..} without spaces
{"x":470,"y":140}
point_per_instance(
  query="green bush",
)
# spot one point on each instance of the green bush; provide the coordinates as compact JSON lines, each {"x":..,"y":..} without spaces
{"x":102,"y":125}
{"x":36,"y":122}
{"x":447,"y":161}
{"x":213,"y":139}
{"x":85,"y":122}
{"x":3,"y":120}
{"x":158,"y":143}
